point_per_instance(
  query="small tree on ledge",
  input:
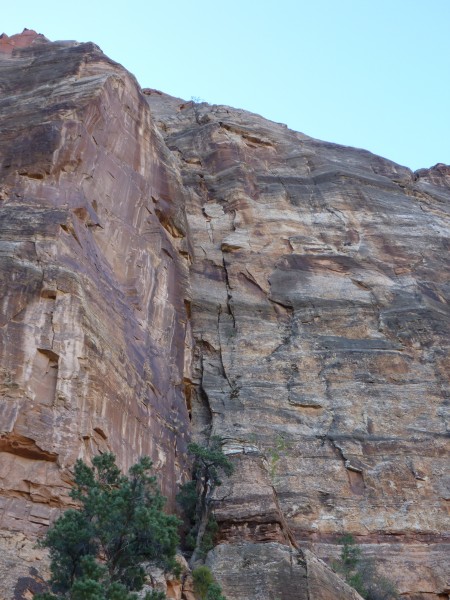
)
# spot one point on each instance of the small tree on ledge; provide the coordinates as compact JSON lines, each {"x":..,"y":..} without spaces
{"x":209,"y":464}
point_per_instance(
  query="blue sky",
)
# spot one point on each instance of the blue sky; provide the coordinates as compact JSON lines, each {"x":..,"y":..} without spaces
{"x":368,"y":73}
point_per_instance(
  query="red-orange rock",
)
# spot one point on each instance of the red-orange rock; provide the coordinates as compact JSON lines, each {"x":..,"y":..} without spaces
{"x":94,"y":263}
{"x":20,"y":40}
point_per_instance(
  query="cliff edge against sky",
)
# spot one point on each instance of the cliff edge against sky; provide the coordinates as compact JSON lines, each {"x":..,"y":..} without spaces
{"x":174,"y":270}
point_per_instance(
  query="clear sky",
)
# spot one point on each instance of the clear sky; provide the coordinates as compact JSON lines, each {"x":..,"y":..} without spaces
{"x":368,"y":73}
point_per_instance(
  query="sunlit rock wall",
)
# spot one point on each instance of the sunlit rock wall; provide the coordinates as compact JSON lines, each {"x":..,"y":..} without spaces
{"x":320,"y":314}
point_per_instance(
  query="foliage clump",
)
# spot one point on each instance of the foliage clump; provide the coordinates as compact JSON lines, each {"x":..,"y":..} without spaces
{"x":209,"y":536}
{"x":205,"y":586}
{"x":209,"y":461}
{"x":361,"y":574}
{"x":275,"y":453}
{"x":96,"y":550}
{"x":201,"y":527}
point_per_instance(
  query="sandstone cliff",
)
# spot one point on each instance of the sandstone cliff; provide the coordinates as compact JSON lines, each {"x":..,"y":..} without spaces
{"x":94,"y":270}
{"x":173,"y":269}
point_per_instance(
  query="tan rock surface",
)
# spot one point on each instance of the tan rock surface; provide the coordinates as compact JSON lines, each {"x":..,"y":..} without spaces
{"x":250,"y":571}
{"x":320,"y":314}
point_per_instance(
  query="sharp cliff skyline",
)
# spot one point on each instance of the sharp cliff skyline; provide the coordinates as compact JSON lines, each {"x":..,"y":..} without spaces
{"x":373,"y":75}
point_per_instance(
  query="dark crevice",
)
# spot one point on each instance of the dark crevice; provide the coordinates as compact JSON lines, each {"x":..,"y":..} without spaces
{"x":229,"y":294}
{"x":234,"y":389}
{"x":25,"y":447}
{"x":188,"y":385}
{"x":354,"y":473}
{"x":68,"y":228}
{"x":168,"y":224}
{"x":290,"y":538}
{"x":203,"y":395}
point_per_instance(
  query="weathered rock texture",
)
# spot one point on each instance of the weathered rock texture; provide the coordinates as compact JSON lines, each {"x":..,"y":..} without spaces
{"x":320,"y":314}
{"x":256,"y":571}
{"x":160,"y":258}
{"x":94,"y":270}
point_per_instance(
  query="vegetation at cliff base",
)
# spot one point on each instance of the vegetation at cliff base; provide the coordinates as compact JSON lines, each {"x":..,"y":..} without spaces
{"x":201,"y":527}
{"x":361,"y":574}
{"x":97,"y":550}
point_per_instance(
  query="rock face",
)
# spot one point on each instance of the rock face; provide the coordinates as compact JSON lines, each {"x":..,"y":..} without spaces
{"x":320,"y":315}
{"x":93,"y":262}
{"x":172,"y":268}
{"x":255,"y":571}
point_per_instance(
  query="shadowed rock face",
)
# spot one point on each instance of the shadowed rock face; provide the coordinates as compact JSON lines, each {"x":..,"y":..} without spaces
{"x":93,"y":321}
{"x":161,"y":258}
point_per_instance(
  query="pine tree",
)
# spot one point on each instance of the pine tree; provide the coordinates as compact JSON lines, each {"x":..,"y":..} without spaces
{"x":209,"y":464}
{"x":96,"y":550}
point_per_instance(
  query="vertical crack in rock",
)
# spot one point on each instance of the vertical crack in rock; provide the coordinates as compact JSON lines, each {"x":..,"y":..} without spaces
{"x":228,"y":290}
{"x":203,"y":396}
{"x":222,"y":364}
{"x":330,"y":230}
{"x":355,"y":473}
{"x":290,"y":538}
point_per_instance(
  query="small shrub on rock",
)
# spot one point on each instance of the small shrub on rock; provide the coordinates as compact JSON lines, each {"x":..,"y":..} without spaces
{"x":361,"y":573}
{"x":205,"y":586}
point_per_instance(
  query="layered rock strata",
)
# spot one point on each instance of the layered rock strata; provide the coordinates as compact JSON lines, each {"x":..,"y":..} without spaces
{"x":166,"y":260}
{"x":94,"y":270}
{"x":254,"y":570}
{"x":320,"y":315}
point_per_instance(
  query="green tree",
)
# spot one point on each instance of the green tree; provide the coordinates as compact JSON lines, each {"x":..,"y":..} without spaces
{"x":205,"y":586}
{"x":209,"y":461}
{"x":96,"y":550}
{"x":208,"y":466}
{"x":215,"y":592}
{"x":361,"y":574}
{"x":203,"y":578}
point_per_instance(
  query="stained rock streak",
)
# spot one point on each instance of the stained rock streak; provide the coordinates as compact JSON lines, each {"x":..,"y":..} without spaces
{"x":93,"y":321}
